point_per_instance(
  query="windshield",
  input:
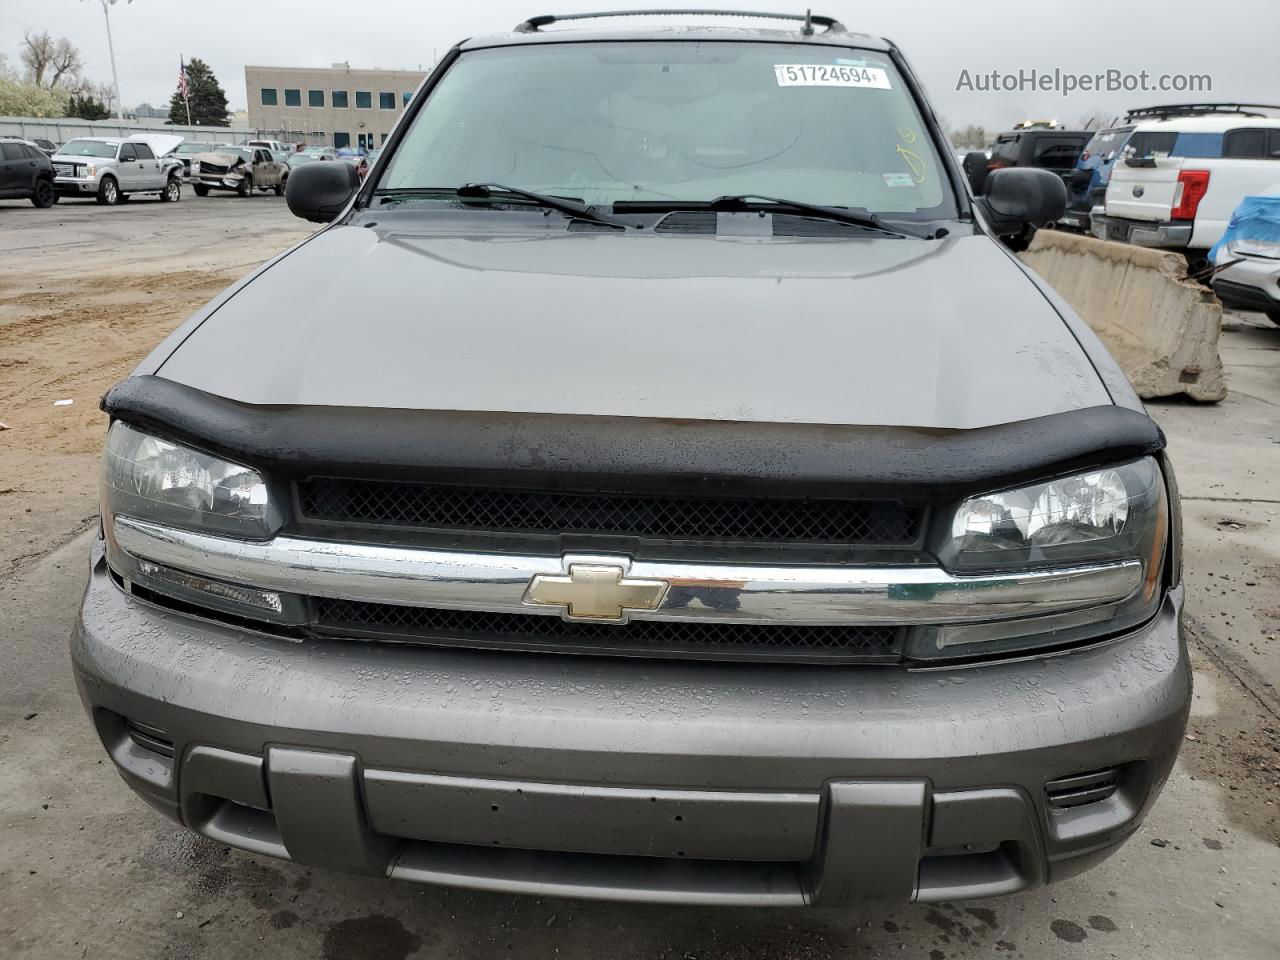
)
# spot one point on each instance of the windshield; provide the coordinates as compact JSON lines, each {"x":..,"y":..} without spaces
{"x":189,"y":148}
{"x":605,"y":122}
{"x":88,"y":148}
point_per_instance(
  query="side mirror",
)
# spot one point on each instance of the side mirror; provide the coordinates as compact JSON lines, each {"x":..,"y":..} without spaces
{"x":1019,"y":197}
{"x":319,"y":191}
{"x":975,"y":170}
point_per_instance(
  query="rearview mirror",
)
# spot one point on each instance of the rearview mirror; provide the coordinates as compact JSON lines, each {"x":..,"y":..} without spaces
{"x":320,"y":191}
{"x":1018,"y":197}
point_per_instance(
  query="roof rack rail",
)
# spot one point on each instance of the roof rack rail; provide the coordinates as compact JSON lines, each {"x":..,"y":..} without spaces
{"x":809,"y":18}
{"x":1196,"y":110}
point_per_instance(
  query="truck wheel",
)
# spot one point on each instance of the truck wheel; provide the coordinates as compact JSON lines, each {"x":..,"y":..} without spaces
{"x":245,"y":189}
{"x":201,"y":190}
{"x":280,"y":188}
{"x":1274,"y":316}
{"x":44,"y":195}
{"x":172,"y":191}
{"x":108,"y":191}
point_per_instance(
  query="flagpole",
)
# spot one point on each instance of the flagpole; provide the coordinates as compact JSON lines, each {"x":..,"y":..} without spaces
{"x":186,"y":87}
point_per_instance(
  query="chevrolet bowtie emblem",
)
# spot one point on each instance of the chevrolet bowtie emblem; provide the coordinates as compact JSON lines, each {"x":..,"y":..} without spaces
{"x":595,"y":591}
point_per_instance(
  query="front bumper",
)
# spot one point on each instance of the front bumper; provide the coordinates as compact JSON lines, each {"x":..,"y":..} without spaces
{"x":216,"y":181}
{"x":1254,"y":282}
{"x":1141,"y":233}
{"x":661,"y":781}
{"x":66,"y":186}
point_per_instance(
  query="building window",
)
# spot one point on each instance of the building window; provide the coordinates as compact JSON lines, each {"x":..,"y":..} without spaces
{"x":384,"y":138}
{"x":269,"y":96}
{"x":408,"y":95}
{"x":339,"y":99}
{"x":341,"y":140}
{"x":292,"y":98}
{"x":315,"y":98}
{"x":364,"y":100}
{"x":386,"y":101}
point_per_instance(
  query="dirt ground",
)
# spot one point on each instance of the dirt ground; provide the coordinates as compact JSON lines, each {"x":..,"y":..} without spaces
{"x":81,"y":302}
{"x":88,"y":871}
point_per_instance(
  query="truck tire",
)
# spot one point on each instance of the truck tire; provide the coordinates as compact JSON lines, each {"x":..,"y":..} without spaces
{"x":1274,"y":316}
{"x":108,"y":191}
{"x":44,"y":195}
{"x":201,"y":190}
{"x":172,"y":191}
{"x":245,"y":189}
{"x":280,"y":187}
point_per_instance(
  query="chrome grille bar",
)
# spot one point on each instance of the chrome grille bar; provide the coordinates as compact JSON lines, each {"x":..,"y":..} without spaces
{"x":745,"y":593}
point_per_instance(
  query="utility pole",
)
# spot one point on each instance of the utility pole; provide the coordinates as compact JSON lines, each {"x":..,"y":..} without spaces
{"x":115,"y":77}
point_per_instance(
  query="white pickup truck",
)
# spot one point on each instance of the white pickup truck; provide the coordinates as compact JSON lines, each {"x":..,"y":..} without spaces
{"x":1180,"y":178}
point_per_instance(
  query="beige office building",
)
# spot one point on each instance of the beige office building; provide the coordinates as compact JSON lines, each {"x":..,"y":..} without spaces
{"x":337,"y":106}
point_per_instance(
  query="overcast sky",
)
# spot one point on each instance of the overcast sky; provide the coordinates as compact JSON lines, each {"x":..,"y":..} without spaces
{"x":1233,"y":41}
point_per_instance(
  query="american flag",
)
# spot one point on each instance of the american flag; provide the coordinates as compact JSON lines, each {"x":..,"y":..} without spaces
{"x":182,"y":78}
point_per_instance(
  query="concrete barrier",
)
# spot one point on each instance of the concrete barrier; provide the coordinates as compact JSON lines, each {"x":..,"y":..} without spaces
{"x":1162,"y":330}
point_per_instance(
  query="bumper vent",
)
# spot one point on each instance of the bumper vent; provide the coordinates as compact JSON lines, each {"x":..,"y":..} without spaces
{"x":149,"y":737}
{"x":1081,"y":788}
{"x":697,"y":639}
{"x":479,"y":509}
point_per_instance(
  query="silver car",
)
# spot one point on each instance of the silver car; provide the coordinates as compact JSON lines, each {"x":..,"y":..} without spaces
{"x":658,"y":483}
{"x":111,"y":169}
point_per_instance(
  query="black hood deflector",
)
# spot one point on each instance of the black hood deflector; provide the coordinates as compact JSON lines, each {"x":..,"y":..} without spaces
{"x":563,"y":452}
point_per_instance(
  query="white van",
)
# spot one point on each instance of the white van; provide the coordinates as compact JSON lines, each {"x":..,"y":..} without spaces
{"x":1179,"y":179}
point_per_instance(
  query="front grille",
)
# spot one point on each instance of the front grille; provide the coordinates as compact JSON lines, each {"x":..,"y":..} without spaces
{"x":701,"y":639}
{"x":1081,"y":788}
{"x":480,"y":509}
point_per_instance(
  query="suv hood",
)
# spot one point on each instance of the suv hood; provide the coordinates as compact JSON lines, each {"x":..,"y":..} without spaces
{"x":886,"y":332}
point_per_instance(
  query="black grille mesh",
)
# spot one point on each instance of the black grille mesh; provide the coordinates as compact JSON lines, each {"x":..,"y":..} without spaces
{"x":639,"y":636}
{"x":447,"y":507}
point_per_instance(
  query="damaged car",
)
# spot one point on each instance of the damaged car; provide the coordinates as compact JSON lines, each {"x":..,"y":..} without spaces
{"x":655,"y":482}
{"x":239,"y":169}
{"x":111,"y":170}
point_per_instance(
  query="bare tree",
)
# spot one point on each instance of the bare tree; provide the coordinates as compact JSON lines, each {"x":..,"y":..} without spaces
{"x":1093,"y":120}
{"x":50,"y":62}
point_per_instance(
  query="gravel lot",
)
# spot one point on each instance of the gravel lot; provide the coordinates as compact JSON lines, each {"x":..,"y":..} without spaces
{"x":87,"y":870}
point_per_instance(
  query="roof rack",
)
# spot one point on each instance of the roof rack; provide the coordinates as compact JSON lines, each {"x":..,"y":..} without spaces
{"x":809,"y":18}
{"x":1197,"y":110}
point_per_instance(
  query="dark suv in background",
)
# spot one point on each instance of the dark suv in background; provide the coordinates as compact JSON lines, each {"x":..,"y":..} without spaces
{"x":26,"y":173}
{"x":1047,"y":148}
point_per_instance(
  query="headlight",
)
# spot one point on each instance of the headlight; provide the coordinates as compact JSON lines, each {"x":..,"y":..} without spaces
{"x":164,"y":482}
{"x":195,"y":166}
{"x":90,"y":170}
{"x":1110,"y":515}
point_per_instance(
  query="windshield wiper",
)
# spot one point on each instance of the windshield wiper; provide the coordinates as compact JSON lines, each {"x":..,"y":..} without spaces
{"x":486,"y":191}
{"x":745,"y":201}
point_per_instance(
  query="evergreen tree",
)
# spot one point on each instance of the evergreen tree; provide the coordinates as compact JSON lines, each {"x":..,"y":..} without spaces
{"x":208,"y":99}
{"x":87,"y":107}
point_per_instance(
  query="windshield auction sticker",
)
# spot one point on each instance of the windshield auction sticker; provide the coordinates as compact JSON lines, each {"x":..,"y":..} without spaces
{"x":825,"y":75}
